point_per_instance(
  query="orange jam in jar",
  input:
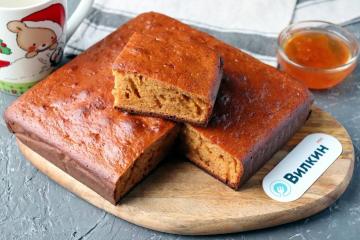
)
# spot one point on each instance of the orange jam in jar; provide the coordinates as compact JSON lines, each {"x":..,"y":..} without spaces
{"x":317,"y":53}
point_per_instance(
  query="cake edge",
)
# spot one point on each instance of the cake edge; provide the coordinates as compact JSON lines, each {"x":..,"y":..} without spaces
{"x":105,"y":189}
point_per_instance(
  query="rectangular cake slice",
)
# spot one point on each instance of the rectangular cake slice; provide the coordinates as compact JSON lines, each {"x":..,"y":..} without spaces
{"x":178,"y":80}
{"x":69,"y":119}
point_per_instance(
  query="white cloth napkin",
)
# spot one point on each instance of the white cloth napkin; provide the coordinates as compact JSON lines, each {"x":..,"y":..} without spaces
{"x":252,"y":26}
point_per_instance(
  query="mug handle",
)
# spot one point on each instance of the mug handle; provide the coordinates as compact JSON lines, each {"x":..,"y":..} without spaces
{"x":77,"y":17}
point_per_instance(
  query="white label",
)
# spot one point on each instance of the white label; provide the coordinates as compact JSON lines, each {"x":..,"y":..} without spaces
{"x":290,"y":179}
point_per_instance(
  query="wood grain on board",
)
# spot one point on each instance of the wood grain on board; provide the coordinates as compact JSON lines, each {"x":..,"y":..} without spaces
{"x":180,"y":198}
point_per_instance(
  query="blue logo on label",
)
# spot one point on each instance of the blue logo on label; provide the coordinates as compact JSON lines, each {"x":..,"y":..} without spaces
{"x":280,"y":188}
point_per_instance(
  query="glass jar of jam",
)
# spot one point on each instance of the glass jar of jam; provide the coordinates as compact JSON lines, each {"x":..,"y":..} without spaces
{"x":318,"y":53}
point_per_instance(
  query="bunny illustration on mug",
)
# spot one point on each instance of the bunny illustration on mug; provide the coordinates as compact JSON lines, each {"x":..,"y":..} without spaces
{"x":35,"y":33}
{"x":32,"y":40}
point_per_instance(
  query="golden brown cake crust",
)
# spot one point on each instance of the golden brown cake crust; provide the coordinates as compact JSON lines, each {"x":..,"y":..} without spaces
{"x":185,"y":64}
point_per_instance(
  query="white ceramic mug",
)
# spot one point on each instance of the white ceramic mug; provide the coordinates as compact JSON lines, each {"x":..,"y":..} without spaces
{"x":33,"y":34}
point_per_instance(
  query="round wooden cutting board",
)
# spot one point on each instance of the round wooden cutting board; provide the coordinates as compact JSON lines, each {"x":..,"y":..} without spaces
{"x":180,"y":198}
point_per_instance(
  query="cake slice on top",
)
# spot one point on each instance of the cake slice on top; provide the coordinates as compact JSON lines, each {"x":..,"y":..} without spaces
{"x":178,"y":80}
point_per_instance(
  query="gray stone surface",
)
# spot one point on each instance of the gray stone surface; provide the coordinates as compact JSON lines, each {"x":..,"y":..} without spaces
{"x":34,"y":207}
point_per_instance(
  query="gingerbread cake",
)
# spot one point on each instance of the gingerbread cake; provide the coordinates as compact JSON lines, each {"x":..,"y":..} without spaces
{"x":178,"y":80}
{"x":69,"y":118}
